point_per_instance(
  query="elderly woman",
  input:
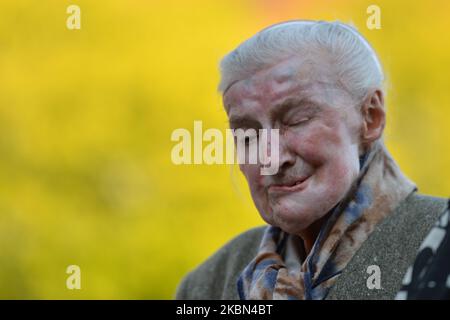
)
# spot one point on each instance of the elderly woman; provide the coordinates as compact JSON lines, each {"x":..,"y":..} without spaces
{"x":339,"y":210}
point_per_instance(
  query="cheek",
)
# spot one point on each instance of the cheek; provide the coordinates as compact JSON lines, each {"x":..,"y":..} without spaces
{"x":342,"y":172}
{"x":328,"y":148}
{"x":336,"y":157}
{"x":316,"y":144}
{"x":252,"y":175}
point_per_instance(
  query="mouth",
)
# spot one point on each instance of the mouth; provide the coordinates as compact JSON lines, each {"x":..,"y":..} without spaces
{"x":294,"y":186}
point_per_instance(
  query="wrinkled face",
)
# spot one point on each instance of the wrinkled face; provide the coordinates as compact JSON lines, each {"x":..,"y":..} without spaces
{"x":319,"y":125}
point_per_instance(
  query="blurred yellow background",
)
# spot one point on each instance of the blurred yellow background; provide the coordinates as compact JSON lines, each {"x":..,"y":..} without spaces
{"x":86,"y":117}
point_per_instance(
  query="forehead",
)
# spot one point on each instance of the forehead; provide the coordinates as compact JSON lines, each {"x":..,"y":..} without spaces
{"x":292,"y":77}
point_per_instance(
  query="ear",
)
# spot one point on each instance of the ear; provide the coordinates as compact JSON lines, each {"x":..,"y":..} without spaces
{"x":373,"y":116}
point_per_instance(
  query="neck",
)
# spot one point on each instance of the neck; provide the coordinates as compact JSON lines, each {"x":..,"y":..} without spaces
{"x":310,"y":234}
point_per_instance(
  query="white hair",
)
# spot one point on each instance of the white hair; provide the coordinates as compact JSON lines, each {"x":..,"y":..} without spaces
{"x":355,"y":62}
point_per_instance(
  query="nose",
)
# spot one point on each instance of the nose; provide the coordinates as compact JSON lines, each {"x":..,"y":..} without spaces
{"x":287,"y":156}
{"x":283,"y":158}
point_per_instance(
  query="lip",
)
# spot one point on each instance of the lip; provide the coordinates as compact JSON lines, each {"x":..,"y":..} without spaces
{"x":299,"y":185}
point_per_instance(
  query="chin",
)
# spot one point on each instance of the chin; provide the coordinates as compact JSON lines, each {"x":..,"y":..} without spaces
{"x":293,"y":220}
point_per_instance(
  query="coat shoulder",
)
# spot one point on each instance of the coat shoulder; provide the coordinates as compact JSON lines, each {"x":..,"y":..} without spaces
{"x":392,"y":246}
{"x":426,"y":203}
{"x":216,"y":277}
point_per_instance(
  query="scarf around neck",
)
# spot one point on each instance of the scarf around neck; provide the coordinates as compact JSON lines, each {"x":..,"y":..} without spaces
{"x":283,"y":270}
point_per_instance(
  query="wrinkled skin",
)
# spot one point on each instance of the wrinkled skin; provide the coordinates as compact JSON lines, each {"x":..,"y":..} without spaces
{"x":321,"y":127}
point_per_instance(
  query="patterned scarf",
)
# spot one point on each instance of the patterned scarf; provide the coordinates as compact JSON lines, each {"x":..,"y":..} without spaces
{"x":282,"y":270}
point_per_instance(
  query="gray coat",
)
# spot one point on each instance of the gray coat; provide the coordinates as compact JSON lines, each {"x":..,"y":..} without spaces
{"x":392,"y":246}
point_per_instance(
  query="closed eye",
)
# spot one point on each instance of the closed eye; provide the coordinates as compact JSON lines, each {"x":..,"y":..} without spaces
{"x":299,"y":121}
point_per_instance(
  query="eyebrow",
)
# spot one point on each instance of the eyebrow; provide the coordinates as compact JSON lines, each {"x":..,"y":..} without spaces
{"x":237,"y":122}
